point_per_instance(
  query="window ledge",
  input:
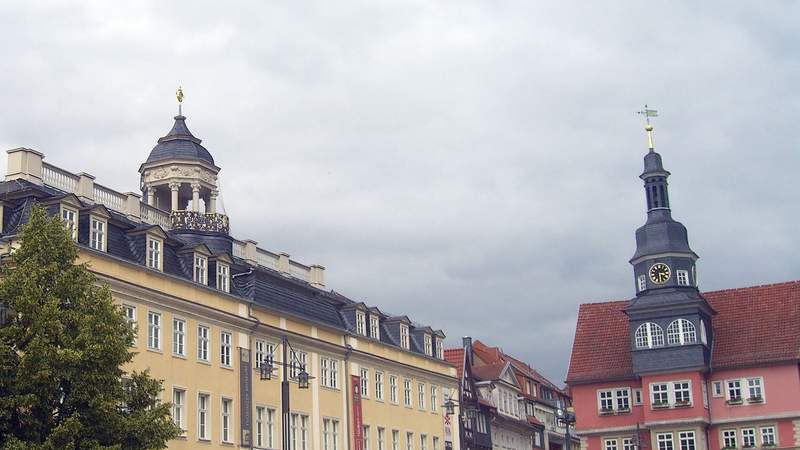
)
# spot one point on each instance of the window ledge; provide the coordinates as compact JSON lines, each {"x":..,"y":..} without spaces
{"x":755,"y":400}
{"x":737,"y":401}
{"x":660,"y":405}
{"x":683,"y":404}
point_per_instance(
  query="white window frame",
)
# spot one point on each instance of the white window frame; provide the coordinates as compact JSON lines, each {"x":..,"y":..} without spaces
{"x":434,"y":398}
{"x":730,"y":387}
{"x":129,"y":311}
{"x":756,"y":383}
{"x":179,"y":408}
{"x":226,"y":420}
{"x":662,"y":438}
{"x":628,"y":444}
{"x":200,"y":269}
{"x":748,"y":434}
{"x":365,"y":436}
{"x":428,"y":342}
{"x":395,"y":439}
{"x":381,"y":432}
{"x":439,"y":348}
{"x":728,"y":436}
{"x":649,"y":335}
{"x":225,"y":348}
{"x":421,"y":396}
{"x":203,"y":415}
{"x":404,"y":337}
{"x":407,"y":387}
{"x":179,"y":337}
{"x":674,"y":385}
{"x":98,"y":233}
{"x":70,"y":218}
{"x":296,"y":356}
{"x":361,"y":323}
{"x":203,"y":343}
{"x":329,"y":372}
{"x":683,"y":277}
{"x":681,"y":332}
{"x":264,"y":349}
{"x":364,"y":379}
{"x":613,"y":395}
{"x":771,"y":431}
{"x":375,"y":327}
{"x":642,"y":282}
{"x":409,"y":440}
{"x":155,"y":253}
{"x":423,"y":441}
{"x":662,"y":393}
{"x":378,"y":385}
{"x":223,"y":277}
{"x":716,"y":389}
{"x":638,"y":398}
{"x":393,"y":389}
{"x":610,"y":444}
{"x":154,"y":330}
{"x":687,"y":440}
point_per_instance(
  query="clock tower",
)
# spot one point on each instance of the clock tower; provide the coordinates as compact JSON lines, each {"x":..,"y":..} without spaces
{"x":669,"y":319}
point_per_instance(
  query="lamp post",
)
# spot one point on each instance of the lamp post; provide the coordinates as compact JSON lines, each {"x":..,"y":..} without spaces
{"x":566,"y":418}
{"x":267,"y":366}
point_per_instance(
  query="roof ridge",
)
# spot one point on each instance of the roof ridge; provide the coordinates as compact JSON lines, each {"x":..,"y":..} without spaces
{"x":756,"y":286}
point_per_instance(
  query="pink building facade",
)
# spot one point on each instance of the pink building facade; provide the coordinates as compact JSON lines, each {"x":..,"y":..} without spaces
{"x":675,"y":368}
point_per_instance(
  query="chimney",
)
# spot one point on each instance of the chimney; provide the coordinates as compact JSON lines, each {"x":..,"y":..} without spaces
{"x":283,"y":263}
{"x":24,"y":164}
{"x":251,"y":251}
{"x":317,"y":276}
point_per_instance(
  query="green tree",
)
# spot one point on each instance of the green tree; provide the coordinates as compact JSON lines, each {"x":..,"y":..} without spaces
{"x":62,"y":347}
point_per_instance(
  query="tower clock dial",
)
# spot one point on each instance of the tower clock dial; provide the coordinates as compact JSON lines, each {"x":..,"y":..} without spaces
{"x":659,"y":273}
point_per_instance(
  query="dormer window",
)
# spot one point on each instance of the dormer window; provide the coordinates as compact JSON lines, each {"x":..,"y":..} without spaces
{"x":154,"y":252}
{"x":361,"y":323}
{"x":200,"y":269}
{"x":428,"y":345}
{"x":649,"y":335}
{"x":97,"y":233}
{"x":404,"y":336}
{"x":374,"y":327}
{"x":439,"y":349}
{"x":223,"y":277}
{"x":70,"y":218}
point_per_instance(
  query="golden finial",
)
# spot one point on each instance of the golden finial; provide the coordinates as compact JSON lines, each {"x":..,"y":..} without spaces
{"x":648,"y":113}
{"x":179,"y":96}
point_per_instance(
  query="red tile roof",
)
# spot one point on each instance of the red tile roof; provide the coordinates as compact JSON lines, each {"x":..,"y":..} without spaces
{"x":754,"y":325}
{"x":488,"y":372}
{"x":455,"y":356}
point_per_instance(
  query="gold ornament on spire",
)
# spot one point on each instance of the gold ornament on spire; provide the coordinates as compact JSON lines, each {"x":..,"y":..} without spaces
{"x":179,"y":96}
{"x":648,"y":113}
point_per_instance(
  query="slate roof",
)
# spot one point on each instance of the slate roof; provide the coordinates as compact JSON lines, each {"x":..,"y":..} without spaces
{"x":179,"y":143}
{"x":263,"y":286}
{"x":754,"y":325}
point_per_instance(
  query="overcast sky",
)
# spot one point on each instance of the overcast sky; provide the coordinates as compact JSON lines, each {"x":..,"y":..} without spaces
{"x":473,"y":165}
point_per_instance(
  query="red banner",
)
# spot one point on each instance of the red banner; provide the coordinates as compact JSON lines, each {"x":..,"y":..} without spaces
{"x":358,"y":420}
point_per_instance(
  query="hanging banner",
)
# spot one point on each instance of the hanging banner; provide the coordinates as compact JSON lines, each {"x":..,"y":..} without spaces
{"x":245,"y":394}
{"x":358,"y":420}
{"x":448,"y":432}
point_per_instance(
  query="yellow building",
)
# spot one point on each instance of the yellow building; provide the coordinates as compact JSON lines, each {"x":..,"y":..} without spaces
{"x":211,"y":309}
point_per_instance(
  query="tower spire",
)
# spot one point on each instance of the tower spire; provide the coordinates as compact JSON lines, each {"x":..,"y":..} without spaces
{"x":179,"y":96}
{"x":648,"y":113}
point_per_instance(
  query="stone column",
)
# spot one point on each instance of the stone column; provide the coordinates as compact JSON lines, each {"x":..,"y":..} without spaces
{"x":151,"y":195}
{"x":195,"y":197}
{"x":174,"y":186}
{"x":212,"y":202}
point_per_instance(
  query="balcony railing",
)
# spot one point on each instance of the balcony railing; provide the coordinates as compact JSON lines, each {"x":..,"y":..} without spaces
{"x":197,"y":221}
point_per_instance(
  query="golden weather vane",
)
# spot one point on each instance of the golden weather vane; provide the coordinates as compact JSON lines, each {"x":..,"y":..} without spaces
{"x":179,"y":96}
{"x":648,"y":113}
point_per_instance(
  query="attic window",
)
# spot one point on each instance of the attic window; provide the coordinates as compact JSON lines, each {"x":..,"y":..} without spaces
{"x":154,"y":251}
{"x":439,"y":349}
{"x":374,"y":327}
{"x":361,"y":325}
{"x":404,"y":336}
{"x":428,"y":345}
{"x":223,"y":277}
{"x":681,"y":332}
{"x":69,"y":216}
{"x":200,"y":269}
{"x":97,"y":233}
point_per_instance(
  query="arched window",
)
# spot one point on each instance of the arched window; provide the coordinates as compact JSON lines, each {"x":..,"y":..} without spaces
{"x":649,"y":335}
{"x":681,"y":331}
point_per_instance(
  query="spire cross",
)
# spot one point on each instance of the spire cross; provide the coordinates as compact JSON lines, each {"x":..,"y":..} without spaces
{"x":648,"y":113}
{"x":179,"y":96}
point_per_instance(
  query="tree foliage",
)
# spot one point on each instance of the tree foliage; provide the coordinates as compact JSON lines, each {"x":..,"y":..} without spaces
{"x":62,"y":349}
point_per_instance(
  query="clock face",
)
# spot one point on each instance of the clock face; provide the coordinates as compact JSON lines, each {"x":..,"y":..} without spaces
{"x":659,"y":273}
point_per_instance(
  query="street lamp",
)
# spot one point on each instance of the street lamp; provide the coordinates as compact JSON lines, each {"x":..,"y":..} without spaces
{"x":566,"y":418}
{"x":267,"y":367}
{"x":470,"y":412}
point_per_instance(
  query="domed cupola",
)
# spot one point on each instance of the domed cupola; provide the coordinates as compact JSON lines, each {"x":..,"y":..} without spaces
{"x":180,"y":177}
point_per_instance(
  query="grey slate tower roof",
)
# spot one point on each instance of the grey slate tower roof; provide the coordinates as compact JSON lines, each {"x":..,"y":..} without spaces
{"x":179,"y":143}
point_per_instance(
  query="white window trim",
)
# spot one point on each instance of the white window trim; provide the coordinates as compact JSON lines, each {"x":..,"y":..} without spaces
{"x":200,"y":268}
{"x":405,"y":339}
{"x":229,"y":364}
{"x":364,"y":379}
{"x":75,"y":219}
{"x":184,"y":334}
{"x":231,"y":419}
{"x":361,"y":323}
{"x":682,"y":331}
{"x":375,"y":327}
{"x":104,"y":240}
{"x":329,"y":372}
{"x":160,"y":329}
{"x":714,"y":385}
{"x":160,"y":262}
{"x":682,"y":275}
{"x":379,"y":381}
{"x":208,"y":342}
{"x":208,"y":420}
{"x":223,"y":277}
{"x":642,"y":282}
{"x":638,"y":397}
{"x":614,"y":405}
{"x":650,"y":334}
